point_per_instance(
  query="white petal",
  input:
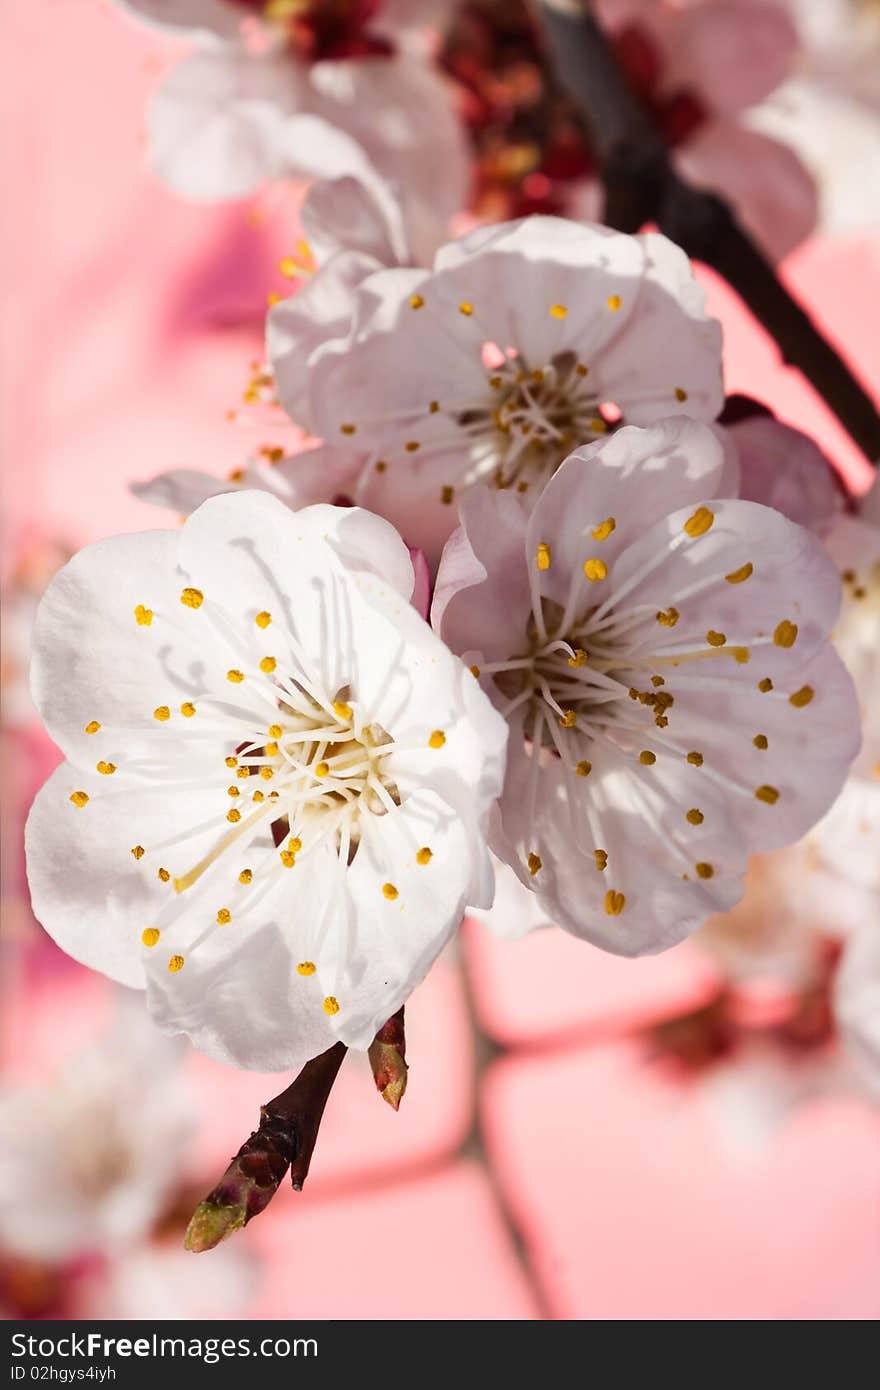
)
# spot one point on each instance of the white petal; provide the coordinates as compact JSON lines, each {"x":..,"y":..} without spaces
{"x":482,"y":601}
{"x":784,"y":468}
{"x":201,"y":19}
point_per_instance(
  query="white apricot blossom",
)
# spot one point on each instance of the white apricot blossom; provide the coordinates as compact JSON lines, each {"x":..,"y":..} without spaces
{"x":275,"y":89}
{"x":270,"y":816}
{"x":662,"y":659}
{"x":525,"y":339}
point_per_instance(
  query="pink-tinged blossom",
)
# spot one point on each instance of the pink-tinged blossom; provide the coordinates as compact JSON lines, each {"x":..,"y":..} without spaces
{"x":784,"y":468}
{"x":661,"y":657}
{"x":524,"y":340}
{"x":271,"y":812}
{"x":270,"y":92}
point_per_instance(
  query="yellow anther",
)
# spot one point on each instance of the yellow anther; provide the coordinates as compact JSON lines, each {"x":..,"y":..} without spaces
{"x":534,"y":863}
{"x":275,"y":731}
{"x":138,"y":852}
{"x":271,"y":749}
{"x":694,"y":817}
{"x":150,"y":936}
{"x":741,"y":655}
{"x":598,"y":425}
{"x":579,"y":659}
{"x":347,"y":429}
{"x":161,"y":712}
{"x":263,"y":619}
{"x":765,"y":685}
{"x":92,"y":727}
{"x":412,"y":446}
{"x":433,"y":407}
{"x":232,"y":791}
{"x":760,"y":741}
{"x":770,"y":795}
{"x":657,"y":681}
{"x":380,"y":465}
{"x":447,"y":495}
{"x":558,"y":311}
{"x":583,"y":768}
{"x":79,"y":798}
{"x":223,"y":916}
{"x":106,"y":769}
{"x":234,"y":815}
{"x":542,"y":556}
{"x":246,"y":876}
{"x":602,"y":532}
{"x":242,"y":772}
{"x":143,"y":616}
{"x":801,"y":697}
{"x":163,"y":875}
{"x":437,"y":739}
{"x":680,"y":394}
{"x":424,"y":855}
{"x":647,"y":758}
{"x":465,"y":308}
{"x":704,"y":870}
{"x":294,"y":844}
{"x":568,"y":719}
{"x":236,"y":677}
{"x":669,"y":617}
{"x":715,"y":639}
{"x":416,"y":301}
{"x":258,"y":796}
{"x":475,"y":672}
{"x":700,"y":522}
{"x":306,"y":967}
{"x":330,"y":1005}
{"x":785,"y":634}
{"x":268,"y":664}
{"x":695,"y":759}
{"x":233,"y":762}
{"x":267,"y":773}
{"x":614,"y":302}
{"x":341,"y":710}
{"x":175,"y":964}
{"x":595,"y":570}
{"x":389,"y":891}
{"x":601,"y":858}
{"x":614,"y":903}
{"x":288,"y":858}
{"x":187,"y":709}
{"x":744,"y":572}
{"x":192,"y":598}
{"x":581,"y":370}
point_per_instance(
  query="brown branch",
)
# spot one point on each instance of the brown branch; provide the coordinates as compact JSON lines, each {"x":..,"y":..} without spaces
{"x":285,"y":1139}
{"x":642,"y":186}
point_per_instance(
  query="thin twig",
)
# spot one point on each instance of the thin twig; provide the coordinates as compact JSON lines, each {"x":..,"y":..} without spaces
{"x":642,"y":186}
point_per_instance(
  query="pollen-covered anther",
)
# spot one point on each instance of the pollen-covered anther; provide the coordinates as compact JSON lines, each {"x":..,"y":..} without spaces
{"x":341,"y":710}
{"x":699,"y":523}
{"x":466,"y":308}
{"x":272,"y":749}
{"x":263,"y":619}
{"x":389,"y":891}
{"x":715,"y":639}
{"x":234,"y":815}
{"x":647,"y":758}
{"x":267,"y":773}
{"x":568,"y":719}
{"x":614,"y":902}
{"x":741,"y":655}
{"x":680,"y":393}
{"x":558,"y":311}
{"x":614,"y":302}
{"x":242,"y":772}
{"x":143,"y":616}
{"x":246,"y":876}
{"x":92,"y":727}
{"x":437,"y":739}
{"x":138,"y":852}
{"x":347,"y":429}
{"x":322,"y":769}
{"x":668,"y":617}
{"x":106,"y":769}
{"x":331,"y":1005}
{"x":192,"y":598}
{"x":187,"y":709}
{"x":534,"y":863}
{"x":235,"y":677}
{"x":595,"y":569}
{"x":223,"y":916}
{"x":760,"y":741}
{"x":232,"y":791}
{"x":704,"y":870}
{"x":801,"y":697}
{"x":424,"y":855}
{"x":412,"y":446}
{"x":275,"y":731}
{"x":765,"y":685}
{"x":306,"y":967}
{"x":79,"y":798}
{"x":175,"y":965}
{"x":475,"y":672}
{"x":579,"y":658}
{"x":785,"y":634}
{"x":542,"y":556}
{"x":287,"y":857}
{"x":233,"y":762}
{"x":583,"y":768}
{"x":150,"y":936}
{"x":694,"y":817}
{"x":601,"y":859}
{"x":601,"y":533}
{"x":447,"y":494}
{"x":163,"y":875}
{"x":268,"y":664}
{"x":738,"y":576}
{"x":769,"y":795}
{"x":161,"y":712}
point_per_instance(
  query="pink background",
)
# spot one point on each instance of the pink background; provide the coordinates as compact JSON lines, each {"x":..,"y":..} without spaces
{"x":130,"y":322}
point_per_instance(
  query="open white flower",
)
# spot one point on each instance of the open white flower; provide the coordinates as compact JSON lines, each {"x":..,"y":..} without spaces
{"x":276,"y":90}
{"x":526,"y":339}
{"x":270,"y":815}
{"x":662,"y":660}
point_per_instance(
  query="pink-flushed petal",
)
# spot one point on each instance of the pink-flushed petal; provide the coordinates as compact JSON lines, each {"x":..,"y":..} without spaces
{"x":730,"y":53}
{"x":354,"y":214}
{"x":765,"y":182}
{"x":421,"y":594}
{"x":857,"y":1001}
{"x":323,"y":474}
{"x":481,"y":599}
{"x":631,"y":479}
{"x":182,"y":490}
{"x":216,"y":121}
{"x":784,"y":468}
{"x":199,"y":19}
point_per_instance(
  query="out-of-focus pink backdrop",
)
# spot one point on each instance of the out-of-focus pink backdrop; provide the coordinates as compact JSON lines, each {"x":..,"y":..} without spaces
{"x":130,"y":321}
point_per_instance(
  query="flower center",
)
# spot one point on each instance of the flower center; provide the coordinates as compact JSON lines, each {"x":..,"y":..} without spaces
{"x":322,"y":29}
